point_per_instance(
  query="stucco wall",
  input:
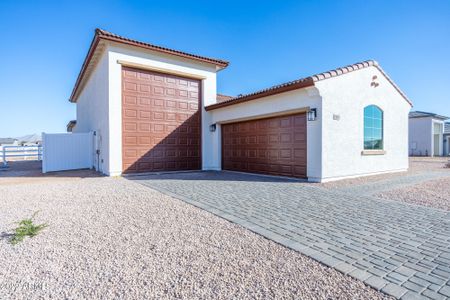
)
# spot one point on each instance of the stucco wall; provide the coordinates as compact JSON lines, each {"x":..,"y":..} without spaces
{"x":343,"y":100}
{"x":420,"y":134}
{"x":92,"y":111}
{"x":285,"y":103}
{"x":117,"y":52}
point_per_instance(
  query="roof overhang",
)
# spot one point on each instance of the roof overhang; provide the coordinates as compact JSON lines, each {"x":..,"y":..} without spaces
{"x":290,"y":86}
{"x":421,"y":114}
{"x":98,"y":44}
{"x":306,"y":82}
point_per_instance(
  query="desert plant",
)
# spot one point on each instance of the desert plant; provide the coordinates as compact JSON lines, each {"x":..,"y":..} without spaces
{"x":26,"y":228}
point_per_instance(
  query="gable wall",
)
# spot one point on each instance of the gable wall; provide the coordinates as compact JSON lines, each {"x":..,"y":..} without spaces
{"x":344,"y":97}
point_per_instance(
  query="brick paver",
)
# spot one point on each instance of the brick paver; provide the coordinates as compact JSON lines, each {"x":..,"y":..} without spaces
{"x":398,"y":248}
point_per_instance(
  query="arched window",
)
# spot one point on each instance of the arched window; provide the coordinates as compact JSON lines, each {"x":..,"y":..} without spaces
{"x":373,"y":128}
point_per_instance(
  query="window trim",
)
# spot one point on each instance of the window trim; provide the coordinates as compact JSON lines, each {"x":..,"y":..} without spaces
{"x":380,"y":151}
{"x":373,"y":152}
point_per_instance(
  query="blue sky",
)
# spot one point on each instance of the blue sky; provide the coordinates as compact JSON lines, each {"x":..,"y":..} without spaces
{"x":43,"y":45}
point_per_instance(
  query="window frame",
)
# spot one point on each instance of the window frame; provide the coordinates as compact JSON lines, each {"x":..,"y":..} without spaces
{"x":369,"y":150}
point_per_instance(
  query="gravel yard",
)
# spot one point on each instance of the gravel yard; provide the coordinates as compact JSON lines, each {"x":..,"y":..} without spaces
{"x":433,"y":193}
{"x":417,"y":165}
{"x":113,"y":238}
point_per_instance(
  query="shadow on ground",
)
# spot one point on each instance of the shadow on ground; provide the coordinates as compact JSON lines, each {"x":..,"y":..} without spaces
{"x":211,"y":176}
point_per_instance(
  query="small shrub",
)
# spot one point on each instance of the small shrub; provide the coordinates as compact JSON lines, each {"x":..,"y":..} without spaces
{"x":447,"y":165}
{"x":26,"y":228}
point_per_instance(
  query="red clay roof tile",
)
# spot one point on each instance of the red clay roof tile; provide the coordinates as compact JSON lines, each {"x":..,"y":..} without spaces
{"x":101,"y":34}
{"x":305,"y":82}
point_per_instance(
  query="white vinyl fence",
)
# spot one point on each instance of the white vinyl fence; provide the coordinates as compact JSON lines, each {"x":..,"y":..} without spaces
{"x":14,"y":153}
{"x":67,"y":151}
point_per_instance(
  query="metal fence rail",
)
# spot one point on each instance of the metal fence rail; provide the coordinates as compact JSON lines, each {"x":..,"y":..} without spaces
{"x":20,"y":151}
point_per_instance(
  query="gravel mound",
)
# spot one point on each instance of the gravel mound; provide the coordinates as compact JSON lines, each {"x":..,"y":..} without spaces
{"x":112,"y":238}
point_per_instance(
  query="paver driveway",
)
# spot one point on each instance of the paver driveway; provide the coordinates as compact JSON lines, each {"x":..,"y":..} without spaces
{"x":401,"y":249}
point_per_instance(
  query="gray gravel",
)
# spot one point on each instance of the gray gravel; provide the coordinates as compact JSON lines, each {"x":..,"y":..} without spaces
{"x":417,"y":166}
{"x":433,"y":193}
{"x":112,"y":238}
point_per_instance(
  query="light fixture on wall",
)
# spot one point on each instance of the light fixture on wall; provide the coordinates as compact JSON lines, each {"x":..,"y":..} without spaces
{"x":212,"y":127}
{"x":312,"y":114}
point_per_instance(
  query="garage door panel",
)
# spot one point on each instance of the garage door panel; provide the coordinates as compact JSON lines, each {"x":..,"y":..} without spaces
{"x":274,"y":146}
{"x":161,"y":122}
{"x":300,"y":137}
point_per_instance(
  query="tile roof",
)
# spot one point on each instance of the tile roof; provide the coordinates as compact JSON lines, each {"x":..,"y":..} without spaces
{"x":305,"y":82}
{"x":115,"y":37}
{"x":104,"y":35}
{"x":221,"y":97}
{"x":423,"y":114}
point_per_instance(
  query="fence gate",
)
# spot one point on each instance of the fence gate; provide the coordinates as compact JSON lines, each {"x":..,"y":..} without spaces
{"x":67,"y":151}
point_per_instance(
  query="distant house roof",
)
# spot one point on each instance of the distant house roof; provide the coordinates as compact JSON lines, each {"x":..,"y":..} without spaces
{"x":71,"y":125}
{"x":306,"y":82}
{"x":447,"y":128}
{"x":31,"y":138}
{"x":423,"y":114}
{"x":103,"y":35}
{"x":7,"y":141}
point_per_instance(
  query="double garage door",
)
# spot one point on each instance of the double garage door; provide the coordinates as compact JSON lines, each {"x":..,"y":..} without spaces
{"x":161,"y":131}
{"x":275,"y":146}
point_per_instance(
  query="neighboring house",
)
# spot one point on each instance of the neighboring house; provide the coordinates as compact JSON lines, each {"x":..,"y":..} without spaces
{"x":447,"y":139}
{"x":426,"y":134}
{"x":30,"y":140}
{"x":155,"y":109}
{"x":8,"y":142}
{"x":71,"y":125}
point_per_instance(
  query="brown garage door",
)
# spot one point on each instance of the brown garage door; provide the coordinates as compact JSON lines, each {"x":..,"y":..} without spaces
{"x":275,"y":146}
{"x":160,"y":122}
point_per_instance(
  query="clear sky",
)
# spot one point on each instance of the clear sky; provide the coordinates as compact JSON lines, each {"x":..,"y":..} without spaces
{"x":44,"y":43}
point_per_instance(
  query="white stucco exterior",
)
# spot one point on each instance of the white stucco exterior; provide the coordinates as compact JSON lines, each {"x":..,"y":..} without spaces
{"x":99,"y":103}
{"x":93,"y":113}
{"x":344,"y":99}
{"x":334,"y":139}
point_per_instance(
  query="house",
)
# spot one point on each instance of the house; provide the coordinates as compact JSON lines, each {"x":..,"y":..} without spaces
{"x":8,"y":142}
{"x":447,"y":139}
{"x":155,"y":109}
{"x":30,"y":140}
{"x":426,"y":134}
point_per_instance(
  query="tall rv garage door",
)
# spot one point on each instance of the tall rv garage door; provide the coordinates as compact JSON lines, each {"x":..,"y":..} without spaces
{"x":275,"y":146}
{"x":160,"y":122}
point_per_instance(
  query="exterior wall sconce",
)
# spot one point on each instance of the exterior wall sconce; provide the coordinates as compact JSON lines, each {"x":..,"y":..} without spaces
{"x":212,"y":127}
{"x":312,"y":114}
